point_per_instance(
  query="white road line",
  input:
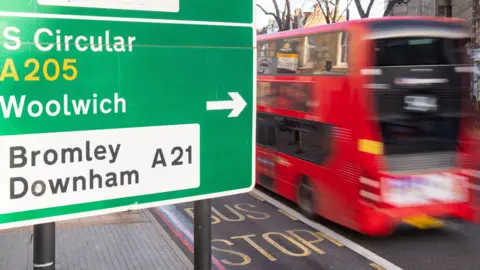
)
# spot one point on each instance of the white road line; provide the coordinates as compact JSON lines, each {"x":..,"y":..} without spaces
{"x":348,"y":243}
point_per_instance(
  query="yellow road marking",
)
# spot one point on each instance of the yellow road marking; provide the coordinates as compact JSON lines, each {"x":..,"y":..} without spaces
{"x":376,"y":266}
{"x":287,"y":214}
{"x":309,"y":243}
{"x":305,"y":251}
{"x":248,"y":239}
{"x":323,"y":231}
{"x":330,"y":239}
{"x":256,"y":197}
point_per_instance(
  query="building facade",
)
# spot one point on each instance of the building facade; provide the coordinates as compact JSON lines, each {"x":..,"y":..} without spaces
{"x":415,"y":8}
{"x":446,"y":8}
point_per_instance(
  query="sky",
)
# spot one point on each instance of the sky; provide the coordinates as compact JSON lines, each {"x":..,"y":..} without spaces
{"x":307,"y":5}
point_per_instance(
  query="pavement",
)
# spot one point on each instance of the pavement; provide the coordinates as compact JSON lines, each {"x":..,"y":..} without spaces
{"x":128,"y":240}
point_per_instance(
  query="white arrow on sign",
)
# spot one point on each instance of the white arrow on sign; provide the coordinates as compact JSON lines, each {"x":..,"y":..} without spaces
{"x":237,"y":104}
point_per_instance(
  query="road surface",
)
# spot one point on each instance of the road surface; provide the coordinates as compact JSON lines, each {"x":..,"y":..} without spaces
{"x":262,"y":231}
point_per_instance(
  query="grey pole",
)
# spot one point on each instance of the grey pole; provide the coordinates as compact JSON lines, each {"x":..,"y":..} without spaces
{"x":44,"y":246}
{"x":202,"y":235}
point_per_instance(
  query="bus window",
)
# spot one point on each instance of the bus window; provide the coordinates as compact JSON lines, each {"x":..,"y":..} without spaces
{"x":303,"y":139}
{"x":266,"y":60}
{"x":266,"y":131}
{"x":320,"y":54}
{"x":289,"y":96}
{"x":325,"y":54}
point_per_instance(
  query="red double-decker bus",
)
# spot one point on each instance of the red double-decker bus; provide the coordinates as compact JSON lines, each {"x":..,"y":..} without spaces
{"x":369,"y":123}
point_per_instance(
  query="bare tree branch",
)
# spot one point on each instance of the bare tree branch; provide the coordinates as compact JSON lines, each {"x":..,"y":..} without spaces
{"x":360,"y":10}
{"x":277,"y":18}
{"x":277,"y":10}
{"x":330,"y":9}
{"x":327,"y":10}
{"x":327,"y":17}
{"x":392,"y":3}
{"x":335,"y":10}
{"x":283,"y":19}
{"x":266,"y":12}
{"x":366,"y":13}
{"x":346,"y":8}
{"x":369,"y":8}
{"x":289,"y":15}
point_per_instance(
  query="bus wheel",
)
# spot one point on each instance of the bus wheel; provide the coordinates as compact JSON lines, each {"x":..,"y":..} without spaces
{"x":306,"y":197}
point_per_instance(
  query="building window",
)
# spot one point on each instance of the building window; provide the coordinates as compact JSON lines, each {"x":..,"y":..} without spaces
{"x":342,"y":52}
{"x":445,"y":8}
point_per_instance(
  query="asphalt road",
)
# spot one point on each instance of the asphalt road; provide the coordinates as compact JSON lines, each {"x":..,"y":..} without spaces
{"x":254,"y":233}
{"x":250,"y":233}
{"x":409,"y":248}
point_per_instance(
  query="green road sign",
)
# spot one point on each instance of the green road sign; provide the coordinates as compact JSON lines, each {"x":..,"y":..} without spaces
{"x":108,"y":106}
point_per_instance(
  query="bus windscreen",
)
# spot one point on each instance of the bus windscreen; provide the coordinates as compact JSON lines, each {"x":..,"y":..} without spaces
{"x":419,"y":51}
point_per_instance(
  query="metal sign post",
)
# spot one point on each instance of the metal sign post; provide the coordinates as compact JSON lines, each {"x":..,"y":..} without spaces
{"x":202,"y":235}
{"x":44,"y":246}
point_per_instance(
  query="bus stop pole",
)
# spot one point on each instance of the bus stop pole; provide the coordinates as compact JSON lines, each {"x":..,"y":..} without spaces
{"x":44,"y":246}
{"x":202,"y":243}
